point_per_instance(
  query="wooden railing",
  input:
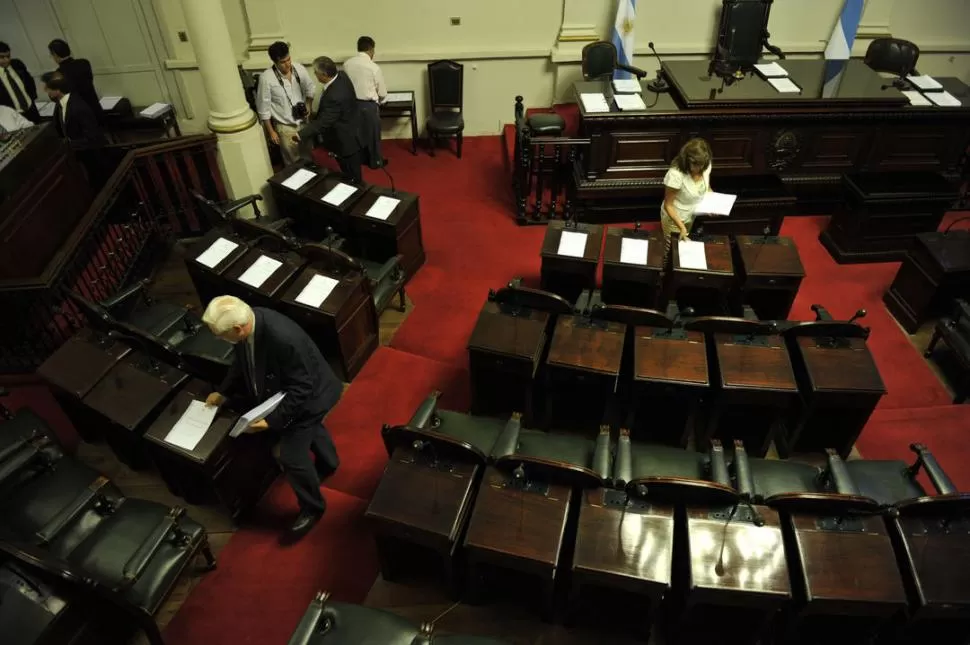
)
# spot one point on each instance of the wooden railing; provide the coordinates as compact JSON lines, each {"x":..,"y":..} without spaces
{"x":543,"y":172}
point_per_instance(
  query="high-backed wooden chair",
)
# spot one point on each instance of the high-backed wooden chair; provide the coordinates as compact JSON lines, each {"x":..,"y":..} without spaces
{"x":446,"y":84}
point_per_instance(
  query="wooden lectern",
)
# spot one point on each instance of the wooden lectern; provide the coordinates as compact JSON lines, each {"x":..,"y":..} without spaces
{"x":344,"y":326}
{"x":288,"y":190}
{"x":264,"y":291}
{"x":771,"y":272}
{"x":399,"y":233}
{"x":628,"y":283}
{"x":704,"y":290}
{"x":568,"y":266}
{"x":218,"y":250}
{"x":316,"y":214}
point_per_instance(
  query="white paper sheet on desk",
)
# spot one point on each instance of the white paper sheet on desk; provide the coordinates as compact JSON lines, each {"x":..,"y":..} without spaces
{"x":572,"y":244}
{"x":216,"y":253}
{"x":594,"y":102}
{"x":155,"y":110}
{"x":716,"y":203}
{"x":317,"y":290}
{"x":258,"y":413}
{"x":192,"y":425}
{"x":627,"y":102}
{"x":784,"y":85}
{"x":943,"y":99}
{"x":382,"y":207}
{"x":339,"y":194}
{"x":915,"y":98}
{"x":771,"y":70}
{"x":299,"y":179}
{"x":45,"y":108}
{"x":924,"y":82}
{"x":634,"y":250}
{"x":109,"y":102}
{"x":399,"y":97}
{"x":260,"y":271}
{"x":692,"y":255}
{"x":627,"y":85}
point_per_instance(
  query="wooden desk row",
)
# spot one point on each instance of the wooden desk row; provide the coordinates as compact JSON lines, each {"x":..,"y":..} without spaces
{"x":300,"y":191}
{"x":344,"y":325}
{"x":130,"y":399}
{"x":764,"y":272}
{"x":805,"y":394}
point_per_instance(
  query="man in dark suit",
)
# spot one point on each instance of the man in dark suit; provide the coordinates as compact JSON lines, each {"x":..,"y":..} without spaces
{"x":17,"y":87}
{"x":79,"y":74}
{"x":73,"y":117}
{"x":273,"y":354}
{"x":336,"y":120}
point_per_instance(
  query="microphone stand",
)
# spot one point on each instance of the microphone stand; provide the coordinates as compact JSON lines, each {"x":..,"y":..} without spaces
{"x":658,"y":84}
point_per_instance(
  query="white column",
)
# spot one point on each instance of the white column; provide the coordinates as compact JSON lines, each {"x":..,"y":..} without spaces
{"x":243,"y":155}
{"x":265,"y":26}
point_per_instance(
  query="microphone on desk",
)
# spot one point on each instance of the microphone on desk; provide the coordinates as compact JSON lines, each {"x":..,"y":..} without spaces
{"x":755,"y":518}
{"x":766,"y":233}
{"x":420,"y":446}
{"x":861,"y":313}
{"x":384,"y":163}
{"x":956,"y":221}
{"x":659,"y":83}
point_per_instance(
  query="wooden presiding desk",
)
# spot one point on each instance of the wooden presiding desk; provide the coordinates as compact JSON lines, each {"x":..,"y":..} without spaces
{"x":847,"y":118}
{"x":936,"y":270}
{"x":772,"y":273}
{"x":569,"y":267}
{"x":629,"y":280}
{"x":705,"y":290}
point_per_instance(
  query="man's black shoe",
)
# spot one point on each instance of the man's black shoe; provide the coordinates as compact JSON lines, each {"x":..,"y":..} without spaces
{"x":304,"y":522}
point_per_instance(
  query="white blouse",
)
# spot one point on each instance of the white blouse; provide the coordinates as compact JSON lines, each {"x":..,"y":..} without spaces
{"x":689,"y":192}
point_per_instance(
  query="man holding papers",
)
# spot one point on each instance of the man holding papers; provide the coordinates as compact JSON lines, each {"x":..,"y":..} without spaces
{"x":685,"y":184}
{"x":274,"y":356}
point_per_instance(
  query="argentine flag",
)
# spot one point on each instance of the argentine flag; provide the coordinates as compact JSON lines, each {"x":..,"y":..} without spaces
{"x":840,"y":44}
{"x":626,"y":14}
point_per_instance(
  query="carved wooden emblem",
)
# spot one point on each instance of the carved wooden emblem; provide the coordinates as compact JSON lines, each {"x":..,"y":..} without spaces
{"x":783,"y":150}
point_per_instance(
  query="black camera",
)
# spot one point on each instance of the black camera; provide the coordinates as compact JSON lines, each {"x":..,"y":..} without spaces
{"x":300,"y":112}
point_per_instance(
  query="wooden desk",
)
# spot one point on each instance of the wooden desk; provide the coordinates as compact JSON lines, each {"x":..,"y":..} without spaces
{"x":619,"y":551}
{"x":763,"y":202}
{"x":771,"y":272}
{"x":670,"y":375}
{"x":707,"y":290}
{"x":504,"y":352}
{"x":400,"y":234}
{"x":74,"y":369}
{"x":848,"y":580}
{"x":568,"y":276}
{"x":397,"y":109}
{"x":840,"y":387}
{"x":420,"y":509}
{"x":517,"y":530}
{"x":632,"y":284}
{"x":935,"y":271}
{"x":127,"y":400}
{"x":209,"y":281}
{"x":344,"y":326}
{"x":583,"y":369}
{"x":267,"y":293}
{"x":316,"y":215}
{"x":757,"y":387}
{"x":748,"y":581}
{"x":291,"y":202}
{"x":233,"y":473}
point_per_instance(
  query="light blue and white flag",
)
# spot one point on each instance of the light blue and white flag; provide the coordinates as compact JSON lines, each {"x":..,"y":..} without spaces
{"x":626,"y":15}
{"x":840,"y":43}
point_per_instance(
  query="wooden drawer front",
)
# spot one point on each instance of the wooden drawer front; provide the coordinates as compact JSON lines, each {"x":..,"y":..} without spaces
{"x":786,"y":283}
{"x":480,"y":361}
{"x":702,"y":280}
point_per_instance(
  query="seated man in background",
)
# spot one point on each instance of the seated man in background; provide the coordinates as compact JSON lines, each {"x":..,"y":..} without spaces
{"x":11,"y":120}
{"x":79,"y":74}
{"x":368,"y":80}
{"x":73,"y":117}
{"x":273,"y":354}
{"x":17,"y":87}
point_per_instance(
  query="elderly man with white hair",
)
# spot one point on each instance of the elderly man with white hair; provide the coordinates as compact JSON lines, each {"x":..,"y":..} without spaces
{"x":273,"y":354}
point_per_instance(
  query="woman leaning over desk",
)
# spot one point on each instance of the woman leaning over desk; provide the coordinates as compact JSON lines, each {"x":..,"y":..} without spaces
{"x":685,"y":183}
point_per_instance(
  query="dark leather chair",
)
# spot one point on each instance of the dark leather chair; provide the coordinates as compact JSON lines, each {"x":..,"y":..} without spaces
{"x":132,"y":305}
{"x":446,"y":84}
{"x":514,"y":297}
{"x":545,"y":124}
{"x":383,"y":279}
{"x":955,"y":332}
{"x":219,"y":213}
{"x":600,"y":61}
{"x":892,"y":55}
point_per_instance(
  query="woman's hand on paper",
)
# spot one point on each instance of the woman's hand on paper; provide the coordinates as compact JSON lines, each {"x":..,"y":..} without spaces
{"x":215,"y":399}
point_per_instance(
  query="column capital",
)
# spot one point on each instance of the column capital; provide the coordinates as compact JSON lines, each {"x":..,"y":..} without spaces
{"x":265,"y":26}
{"x":876,"y":19}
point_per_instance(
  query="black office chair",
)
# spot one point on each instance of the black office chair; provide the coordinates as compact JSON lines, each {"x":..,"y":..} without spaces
{"x":742,"y":34}
{"x":892,"y":55}
{"x":600,"y":61}
{"x":446,"y":84}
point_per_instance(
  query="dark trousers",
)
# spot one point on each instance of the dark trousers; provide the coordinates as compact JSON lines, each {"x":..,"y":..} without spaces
{"x":370,"y":133}
{"x":32,"y":114}
{"x":350,"y":166}
{"x":296,"y":444}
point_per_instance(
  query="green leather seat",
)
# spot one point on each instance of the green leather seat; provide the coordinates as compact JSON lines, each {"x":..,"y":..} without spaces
{"x":546,"y":124}
{"x":886,"y":481}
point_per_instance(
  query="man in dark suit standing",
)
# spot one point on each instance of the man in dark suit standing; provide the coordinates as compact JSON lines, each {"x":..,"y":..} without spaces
{"x":17,"y":87}
{"x":336,"y":120}
{"x":79,"y":74}
{"x":273,"y":354}
{"x":73,"y":117}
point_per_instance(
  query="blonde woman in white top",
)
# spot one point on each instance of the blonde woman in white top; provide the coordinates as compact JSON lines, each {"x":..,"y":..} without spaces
{"x":685,"y":183}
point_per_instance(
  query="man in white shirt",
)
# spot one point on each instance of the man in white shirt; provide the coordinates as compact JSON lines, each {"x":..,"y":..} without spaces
{"x":284,"y":99}
{"x":371,"y":91}
{"x":11,"y":120}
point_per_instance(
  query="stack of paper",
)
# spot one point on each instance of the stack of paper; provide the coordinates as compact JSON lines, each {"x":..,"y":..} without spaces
{"x":594,"y":102}
{"x":216,"y":253}
{"x":628,"y":102}
{"x":924,"y":82}
{"x":299,"y":179}
{"x":784,"y":85}
{"x":771,"y":70}
{"x":383,"y":207}
{"x":399,"y":97}
{"x":155,"y":110}
{"x":339,"y":194}
{"x":572,"y":244}
{"x":317,"y":290}
{"x":634,"y":250}
{"x":258,"y":413}
{"x":716,"y":203}
{"x":692,"y":255}
{"x":627,"y":85}
{"x":192,"y":425}
{"x":915,"y":98}
{"x":943,"y":99}
{"x":260,"y":271}
{"x":109,"y":102}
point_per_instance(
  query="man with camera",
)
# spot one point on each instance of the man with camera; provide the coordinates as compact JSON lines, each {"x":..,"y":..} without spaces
{"x":284,"y":99}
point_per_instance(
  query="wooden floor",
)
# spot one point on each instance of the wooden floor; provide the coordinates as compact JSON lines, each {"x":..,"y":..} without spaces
{"x":419,"y":604}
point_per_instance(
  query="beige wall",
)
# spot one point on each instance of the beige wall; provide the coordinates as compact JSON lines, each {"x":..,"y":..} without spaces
{"x":508,"y":47}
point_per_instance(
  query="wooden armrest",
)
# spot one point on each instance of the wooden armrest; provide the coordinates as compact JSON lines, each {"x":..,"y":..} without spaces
{"x":508,"y":441}
{"x":69,"y":513}
{"x":138,"y":562}
{"x":839,"y":475}
{"x":623,"y":468}
{"x":123,"y":296}
{"x":719,"y":469}
{"x":941,"y":482}
{"x":424,"y":416}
